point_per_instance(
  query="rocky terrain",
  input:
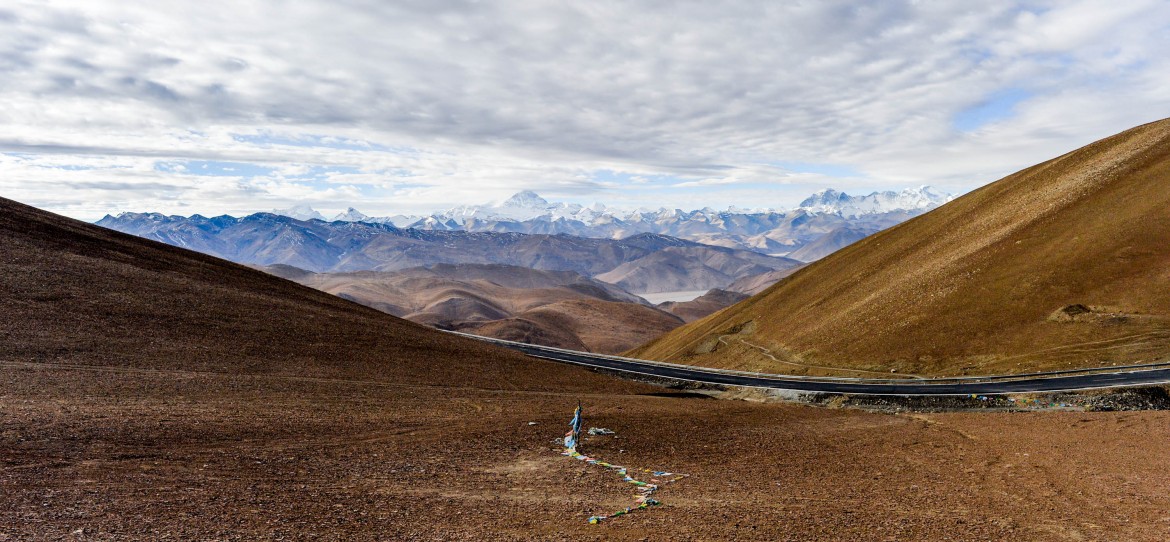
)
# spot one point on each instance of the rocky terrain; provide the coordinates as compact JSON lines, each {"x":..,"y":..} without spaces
{"x":154,"y":393}
{"x":1062,"y":265}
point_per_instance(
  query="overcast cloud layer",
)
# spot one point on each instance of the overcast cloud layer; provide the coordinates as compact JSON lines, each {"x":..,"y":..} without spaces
{"x":408,"y":106}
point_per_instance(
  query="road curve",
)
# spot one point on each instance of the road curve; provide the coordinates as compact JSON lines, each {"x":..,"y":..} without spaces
{"x":992,"y":385}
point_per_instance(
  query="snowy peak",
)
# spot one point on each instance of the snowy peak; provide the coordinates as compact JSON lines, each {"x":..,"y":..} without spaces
{"x":300,"y":212}
{"x":351,"y":215}
{"x":768,"y":231}
{"x":403,"y":221}
{"x":830,"y":201}
{"x":526,"y":199}
{"x":826,"y":197}
{"x":521,"y":207}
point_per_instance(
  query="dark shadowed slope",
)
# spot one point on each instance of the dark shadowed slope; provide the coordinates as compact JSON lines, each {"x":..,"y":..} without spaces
{"x":74,"y":293}
{"x":1064,"y":264}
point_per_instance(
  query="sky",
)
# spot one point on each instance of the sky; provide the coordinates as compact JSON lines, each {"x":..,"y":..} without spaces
{"x":412,"y":106}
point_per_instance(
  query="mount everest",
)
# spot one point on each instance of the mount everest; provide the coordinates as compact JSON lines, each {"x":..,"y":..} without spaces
{"x":823,"y":222}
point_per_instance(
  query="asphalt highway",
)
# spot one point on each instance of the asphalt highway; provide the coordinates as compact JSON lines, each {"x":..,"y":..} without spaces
{"x":991,"y":385}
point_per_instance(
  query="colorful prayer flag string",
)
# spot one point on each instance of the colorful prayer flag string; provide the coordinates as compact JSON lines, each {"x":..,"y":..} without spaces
{"x":645,"y":490}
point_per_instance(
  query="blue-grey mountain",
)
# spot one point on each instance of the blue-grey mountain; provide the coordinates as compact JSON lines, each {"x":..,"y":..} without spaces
{"x":775,"y":232}
{"x":319,"y":246}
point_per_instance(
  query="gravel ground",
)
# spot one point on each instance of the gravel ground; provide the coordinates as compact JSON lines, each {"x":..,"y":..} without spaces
{"x":96,"y":454}
{"x":150,"y":393}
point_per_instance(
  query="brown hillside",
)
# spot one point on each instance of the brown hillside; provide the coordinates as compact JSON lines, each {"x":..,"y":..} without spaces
{"x":502,"y":301}
{"x":74,"y":293}
{"x":978,"y":285}
{"x":605,"y":327}
{"x":150,"y":393}
{"x":678,"y":269}
{"x":526,"y":331}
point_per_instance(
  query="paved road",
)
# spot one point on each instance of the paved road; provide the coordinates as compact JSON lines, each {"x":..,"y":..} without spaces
{"x":1039,"y":382}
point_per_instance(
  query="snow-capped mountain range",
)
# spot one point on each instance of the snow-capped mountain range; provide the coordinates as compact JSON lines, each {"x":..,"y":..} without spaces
{"x":523,"y":206}
{"x":767,"y":231}
{"x":302,"y":212}
{"x":839,"y":203}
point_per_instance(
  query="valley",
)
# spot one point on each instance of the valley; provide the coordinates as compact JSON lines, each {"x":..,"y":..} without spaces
{"x":552,"y":308}
{"x":633,"y":271}
{"x":152,"y":392}
{"x":476,"y":272}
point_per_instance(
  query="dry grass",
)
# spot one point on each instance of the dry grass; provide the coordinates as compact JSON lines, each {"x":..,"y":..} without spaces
{"x":149,"y":393}
{"x":969,"y":287}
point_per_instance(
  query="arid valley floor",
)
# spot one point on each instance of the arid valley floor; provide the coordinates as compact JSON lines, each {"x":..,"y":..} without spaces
{"x":120,"y":454}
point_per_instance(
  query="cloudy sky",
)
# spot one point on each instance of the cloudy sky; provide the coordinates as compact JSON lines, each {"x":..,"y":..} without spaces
{"x":409,"y":106}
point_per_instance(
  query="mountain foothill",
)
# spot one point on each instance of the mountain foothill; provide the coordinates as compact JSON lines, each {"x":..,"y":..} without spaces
{"x":552,"y":308}
{"x":459,"y":269}
{"x":1063,"y":265}
{"x":151,"y":391}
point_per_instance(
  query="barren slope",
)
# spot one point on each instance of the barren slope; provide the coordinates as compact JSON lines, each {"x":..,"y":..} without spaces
{"x":149,"y":393}
{"x":978,"y":285}
{"x":526,"y":331}
{"x":602,"y":326}
{"x":754,"y":284}
{"x":73,"y":293}
{"x":502,"y":301}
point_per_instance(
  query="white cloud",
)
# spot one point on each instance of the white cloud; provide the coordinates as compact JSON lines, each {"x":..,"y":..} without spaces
{"x":409,"y":106}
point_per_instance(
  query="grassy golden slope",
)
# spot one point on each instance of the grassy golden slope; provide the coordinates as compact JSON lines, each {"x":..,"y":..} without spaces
{"x":975,"y":286}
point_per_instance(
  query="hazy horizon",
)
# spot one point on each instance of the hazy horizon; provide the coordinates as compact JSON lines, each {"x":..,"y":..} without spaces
{"x":408,"y":108}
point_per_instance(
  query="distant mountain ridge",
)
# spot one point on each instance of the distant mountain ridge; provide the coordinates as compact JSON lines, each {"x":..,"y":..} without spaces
{"x":269,"y":239}
{"x":839,"y":203}
{"x":765,"y":231}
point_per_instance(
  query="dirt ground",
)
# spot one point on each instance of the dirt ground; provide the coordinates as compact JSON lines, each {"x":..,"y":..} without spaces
{"x":140,"y":454}
{"x":151,"y":393}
